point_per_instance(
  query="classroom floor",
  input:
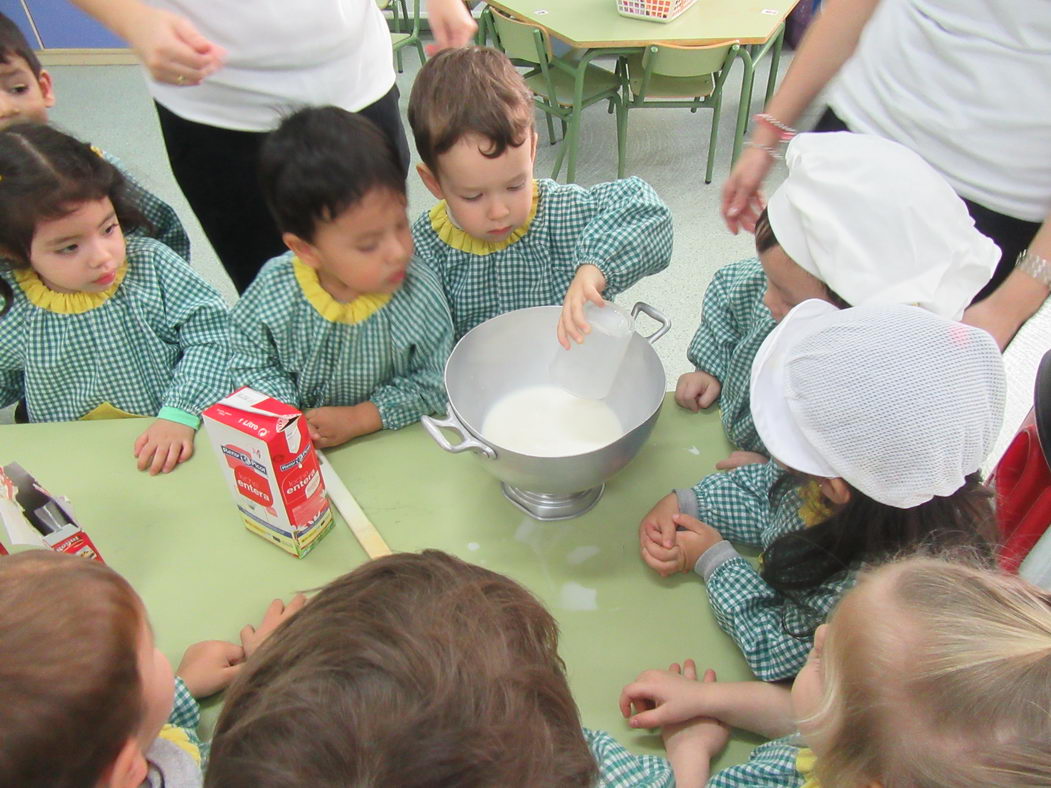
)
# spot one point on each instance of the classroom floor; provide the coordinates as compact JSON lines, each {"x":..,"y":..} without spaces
{"x":110,"y":106}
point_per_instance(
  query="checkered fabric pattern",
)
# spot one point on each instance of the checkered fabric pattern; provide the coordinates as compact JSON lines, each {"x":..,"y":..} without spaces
{"x":395,"y":358}
{"x":734,"y":323}
{"x":164,"y":222}
{"x":622,"y":227}
{"x":738,"y":504}
{"x":186,"y":714}
{"x":771,"y":765}
{"x":619,"y":768}
{"x":160,"y":341}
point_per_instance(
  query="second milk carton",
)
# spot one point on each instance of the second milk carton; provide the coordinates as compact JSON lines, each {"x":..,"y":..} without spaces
{"x":271,"y":467}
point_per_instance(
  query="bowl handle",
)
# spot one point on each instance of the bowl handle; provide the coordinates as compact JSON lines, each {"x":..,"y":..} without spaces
{"x":450,"y":422}
{"x":642,"y":306}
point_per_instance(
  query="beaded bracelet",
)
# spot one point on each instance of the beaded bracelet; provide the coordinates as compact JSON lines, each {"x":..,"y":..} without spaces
{"x":773,"y":153}
{"x":785,"y":132}
{"x":1036,"y":266}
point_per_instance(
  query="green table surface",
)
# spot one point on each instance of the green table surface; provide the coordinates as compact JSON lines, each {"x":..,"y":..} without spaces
{"x":179,"y":540}
{"x":595,"y":24}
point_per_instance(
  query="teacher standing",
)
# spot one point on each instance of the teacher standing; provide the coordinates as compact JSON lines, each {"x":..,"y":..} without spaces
{"x":224,"y":72}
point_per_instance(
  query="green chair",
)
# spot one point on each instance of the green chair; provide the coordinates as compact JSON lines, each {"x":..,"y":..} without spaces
{"x":667,"y":76}
{"x":562,"y":86}
{"x":400,"y":40}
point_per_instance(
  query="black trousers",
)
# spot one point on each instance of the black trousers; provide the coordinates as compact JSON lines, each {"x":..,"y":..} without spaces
{"x":217,"y":172}
{"x":1010,"y":234}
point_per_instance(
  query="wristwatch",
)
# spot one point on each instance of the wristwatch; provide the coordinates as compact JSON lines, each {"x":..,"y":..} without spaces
{"x":1036,"y":266}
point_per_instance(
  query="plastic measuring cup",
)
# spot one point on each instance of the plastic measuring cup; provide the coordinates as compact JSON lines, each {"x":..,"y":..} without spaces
{"x":588,"y":370}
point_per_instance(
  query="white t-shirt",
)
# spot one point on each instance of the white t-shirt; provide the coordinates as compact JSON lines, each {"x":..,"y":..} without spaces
{"x":282,"y":55}
{"x":967,"y":85}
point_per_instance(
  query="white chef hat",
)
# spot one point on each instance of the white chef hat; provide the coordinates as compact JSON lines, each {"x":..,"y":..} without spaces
{"x":899,"y":402}
{"x":876,"y":223}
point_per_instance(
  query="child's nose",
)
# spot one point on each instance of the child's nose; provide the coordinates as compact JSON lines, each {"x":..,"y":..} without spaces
{"x":8,"y":108}
{"x":498,"y":209}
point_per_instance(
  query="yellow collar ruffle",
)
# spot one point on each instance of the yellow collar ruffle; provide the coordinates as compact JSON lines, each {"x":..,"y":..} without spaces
{"x":44,"y":297}
{"x":442,"y":223}
{"x":805,"y":763}
{"x":357,"y":311}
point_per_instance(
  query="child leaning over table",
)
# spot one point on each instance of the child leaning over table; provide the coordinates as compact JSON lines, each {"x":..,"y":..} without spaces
{"x":500,"y":240}
{"x":416,"y":670}
{"x":87,"y":699}
{"x":98,"y":326}
{"x":928,"y":673}
{"x":882,"y":415}
{"x":28,"y":94}
{"x":859,"y":220}
{"x":345,"y":325}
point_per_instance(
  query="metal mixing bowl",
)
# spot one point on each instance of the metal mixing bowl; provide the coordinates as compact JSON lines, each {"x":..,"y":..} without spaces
{"x":515,"y":350}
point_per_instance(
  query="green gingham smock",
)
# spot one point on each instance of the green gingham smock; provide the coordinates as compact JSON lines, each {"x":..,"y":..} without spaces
{"x":619,"y":768}
{"x":621,"y":227}
{"x":294,"y":342}
{"x":737,"y":503}
{"x":771,"y":765}
{"x":155,"y":343}
{"x":734,"y":323}
{"x":164,"y":222}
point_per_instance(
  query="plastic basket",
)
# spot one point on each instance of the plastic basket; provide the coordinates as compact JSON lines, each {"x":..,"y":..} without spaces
{"x":653,"y":10}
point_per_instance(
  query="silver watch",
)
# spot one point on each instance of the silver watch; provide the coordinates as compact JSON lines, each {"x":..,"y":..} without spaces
{"x":1036,"y":266}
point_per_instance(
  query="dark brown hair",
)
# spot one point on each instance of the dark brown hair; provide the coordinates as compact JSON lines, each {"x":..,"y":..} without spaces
{"x":413,"y":670}
{"x":45,"y":174}
{"x":70,"y":690}
{"x":470,"y":90}
{"x":12,"y":42}
{"x":766,"y":240}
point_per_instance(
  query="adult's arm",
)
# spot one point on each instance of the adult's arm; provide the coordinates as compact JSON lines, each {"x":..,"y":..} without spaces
{"x":828,"y":43}
{"x":451,"y":23}
{"x":1017,"y":299}
{"x":168,"y":45}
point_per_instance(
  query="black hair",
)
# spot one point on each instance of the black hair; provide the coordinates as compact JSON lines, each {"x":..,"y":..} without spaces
{"x":319,"y":162}
{"x":46,"y":174}
{"x":865,"y":531}
{"x":12,"y":42}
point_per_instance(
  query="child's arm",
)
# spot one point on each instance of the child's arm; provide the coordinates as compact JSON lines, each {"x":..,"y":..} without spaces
{"x":658,"y":698}
{"x":254,"y":360}
{"x":423,"y":336}
{"x":619,"y":768}
{"x":691,"y":745}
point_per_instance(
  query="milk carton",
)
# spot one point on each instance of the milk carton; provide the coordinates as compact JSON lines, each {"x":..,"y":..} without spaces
{"x":271,"y":467}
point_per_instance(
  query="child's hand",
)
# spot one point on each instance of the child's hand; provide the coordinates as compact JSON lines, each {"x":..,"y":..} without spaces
{"x":694,"y":538}
{"x":739,"y":458}
{"x":278,"y":612}
{"x":210,"y":666}
{"x":657,"y":542}
{"x":697,"y":390}
{"x":692,"y":745}
{"x":587,"y":285}
{"x":666,"y":697}
{"x":164,"y":445}
{"x":335,"y":425}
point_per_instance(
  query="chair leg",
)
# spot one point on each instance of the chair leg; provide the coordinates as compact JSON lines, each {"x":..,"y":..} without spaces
{"x":559,"y":158}
{"x":714,"y":138}
{"x":622,"y":137}
{"x":397,"y":59}
{"x":550,"y":128}
{"x":423,"y":55}
{"x":747,"y":77}
{"x":775,"y":60}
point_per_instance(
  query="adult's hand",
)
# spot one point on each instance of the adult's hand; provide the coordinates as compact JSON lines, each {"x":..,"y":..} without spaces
{"x":742,"y":199}
{"x":452,"y":24}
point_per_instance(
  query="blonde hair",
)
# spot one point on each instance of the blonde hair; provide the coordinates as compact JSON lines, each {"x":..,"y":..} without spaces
{"x":955,"y":690}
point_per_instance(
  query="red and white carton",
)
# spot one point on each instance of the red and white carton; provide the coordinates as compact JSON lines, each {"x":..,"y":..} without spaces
{"x":34,"y":517}
{"x":272,"y":469}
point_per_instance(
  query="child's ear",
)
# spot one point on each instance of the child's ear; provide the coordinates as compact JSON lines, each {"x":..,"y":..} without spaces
{"x":430,"y":180}
{"x":835,"y":490}
{"x":532,"y":151}
{"x":129,"y":769}
{"x":304,"y":250}
{"x":47,"y":90}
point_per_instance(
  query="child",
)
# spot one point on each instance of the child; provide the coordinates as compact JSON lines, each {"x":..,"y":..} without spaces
{"x":96,"y":326}
{"x":26,"y":97}
{"x":883,"y":414}
{"x":928,"y":673}
{"x":859,"y":220}
{"x":84,"y":691}
{"x":416,"y":670}
{"x":499,"y":240}
{"x":344,"y":325}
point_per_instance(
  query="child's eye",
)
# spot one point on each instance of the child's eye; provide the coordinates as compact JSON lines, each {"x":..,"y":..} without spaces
{"x":68,"y":249}
{"x":368,"y":249}
{"x":472,"y":197}
{"x":18,"y":90}
{"x":109,"y":228}
{"x":516,"y":187}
